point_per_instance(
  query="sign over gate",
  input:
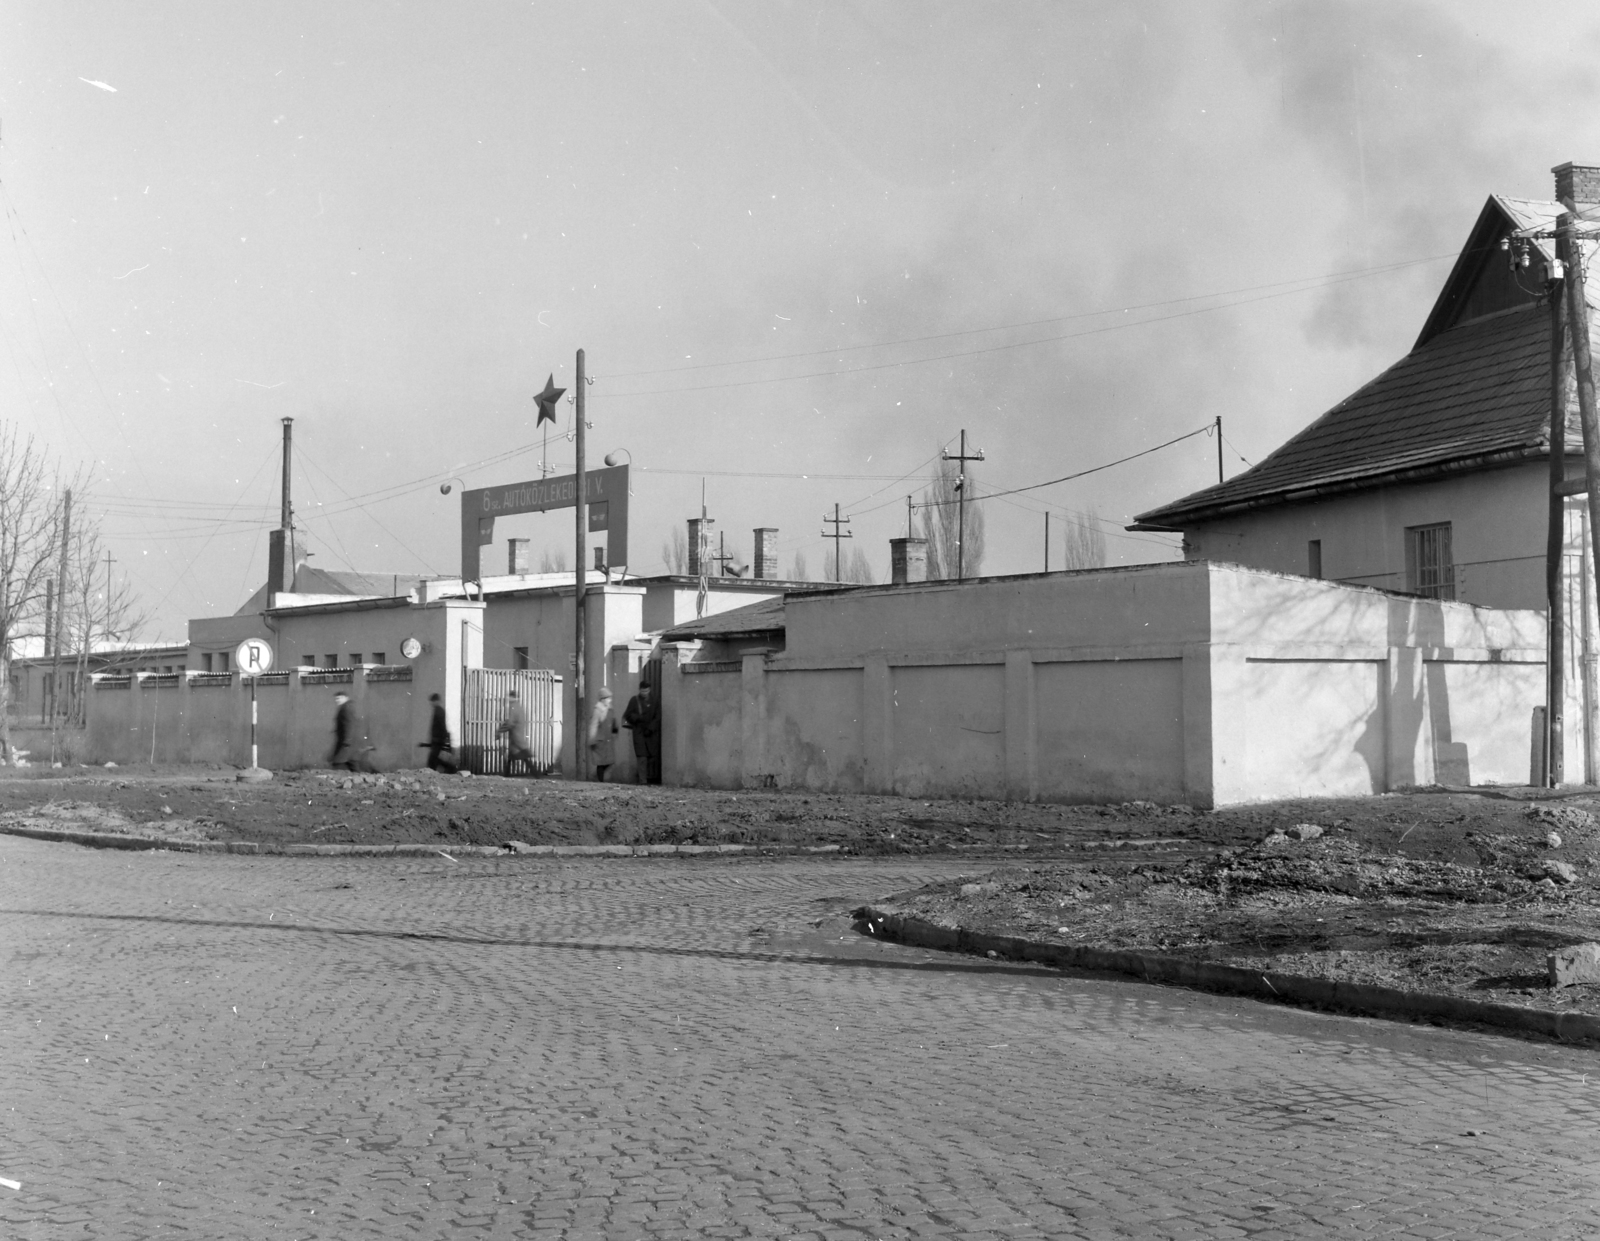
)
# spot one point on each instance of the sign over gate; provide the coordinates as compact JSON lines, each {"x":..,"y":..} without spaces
{"x":607,"y":496}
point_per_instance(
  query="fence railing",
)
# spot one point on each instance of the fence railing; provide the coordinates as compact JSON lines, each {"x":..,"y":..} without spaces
{"x":486,"y":697}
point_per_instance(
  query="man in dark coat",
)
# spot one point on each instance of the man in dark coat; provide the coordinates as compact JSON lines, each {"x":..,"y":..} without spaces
{"x":439,"y":739}
{"x":644,"y":721}
{"x":344,"y":734}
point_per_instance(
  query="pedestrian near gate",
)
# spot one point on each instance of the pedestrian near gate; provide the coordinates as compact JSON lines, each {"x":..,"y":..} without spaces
{"x":486,"y":699}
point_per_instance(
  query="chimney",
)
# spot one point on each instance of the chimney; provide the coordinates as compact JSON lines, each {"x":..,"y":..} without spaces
{"x":698,"y":527}
{"x":517,"y":557}
{"x":599,"y":560}
{"x":1579,"y":183}
{"x":765,"y":562}
{"x":280,"y":542}
{"x":908,"y":561}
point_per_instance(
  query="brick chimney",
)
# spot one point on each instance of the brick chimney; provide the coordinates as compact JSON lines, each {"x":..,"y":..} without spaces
{"x":696,"y":526}
{"x":517,"y":557}
{"x":765,"y":561}
{"x":1578,"y":182}
{"x":908,"y":561}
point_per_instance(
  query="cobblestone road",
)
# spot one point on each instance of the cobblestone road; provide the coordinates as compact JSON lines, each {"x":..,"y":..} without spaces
{"x":226,"y":1047}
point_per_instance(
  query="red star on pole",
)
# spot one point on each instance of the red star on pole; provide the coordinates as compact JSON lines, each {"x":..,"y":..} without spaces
{"x":547,"y":400}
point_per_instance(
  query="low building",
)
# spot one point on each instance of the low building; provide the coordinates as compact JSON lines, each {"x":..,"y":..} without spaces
{"x":1191,"y":682}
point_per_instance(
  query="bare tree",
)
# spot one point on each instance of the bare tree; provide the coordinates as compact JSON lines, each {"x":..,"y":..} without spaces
{"x":798,"y":572}
{"x":858,"y":569}
{"x":1084,"y":541}
{"x":553,"y":562}
{"x":97,"y":615}
{"x":942,"y":526}
{"x":675,"y":552}
{"x":30,"y":530}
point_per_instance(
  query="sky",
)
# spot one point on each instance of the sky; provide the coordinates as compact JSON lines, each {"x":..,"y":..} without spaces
{"x":803,"y":246}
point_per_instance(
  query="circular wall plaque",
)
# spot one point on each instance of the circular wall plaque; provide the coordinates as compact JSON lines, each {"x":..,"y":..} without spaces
{"x":411,"y":648}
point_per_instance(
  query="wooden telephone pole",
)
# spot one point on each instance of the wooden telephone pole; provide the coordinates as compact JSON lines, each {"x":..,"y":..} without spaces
{"x":580,"y":611}
{"x":838,"y":536}
{"x":961,"y":499}
{"x":1555,"y":585}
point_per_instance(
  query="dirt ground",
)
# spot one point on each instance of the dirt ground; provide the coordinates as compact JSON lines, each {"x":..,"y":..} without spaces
{"x":1455,"y":893}
{"x":1452,"y":891}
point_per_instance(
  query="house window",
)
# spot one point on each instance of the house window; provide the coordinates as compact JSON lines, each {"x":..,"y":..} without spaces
{"x":521,"y":654}
{"x":330,"y":661}
{"x":222,"y":661}
{"x":1430,"y":569}
{"x":308,"y":661}
{"x":205,"y":663}
{"x":380,"y":657}
{"x":1314,"y":559}
{"x":355,"y":659}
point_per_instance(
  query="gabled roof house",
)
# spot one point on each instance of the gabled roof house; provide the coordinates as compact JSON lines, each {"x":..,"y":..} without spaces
{"x":1433,"y":478}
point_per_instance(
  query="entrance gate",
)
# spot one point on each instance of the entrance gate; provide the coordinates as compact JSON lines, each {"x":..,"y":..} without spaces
{"x":486,"y":695}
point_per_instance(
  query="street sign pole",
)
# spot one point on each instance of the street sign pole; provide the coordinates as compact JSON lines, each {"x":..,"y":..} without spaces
{"x":252,"y":657}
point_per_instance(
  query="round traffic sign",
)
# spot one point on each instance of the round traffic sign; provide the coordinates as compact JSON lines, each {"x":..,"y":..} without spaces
{"x":253,"y":656}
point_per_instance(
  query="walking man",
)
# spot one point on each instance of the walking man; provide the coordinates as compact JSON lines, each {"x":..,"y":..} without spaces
{"x":515,"y":728}
{"x":344,"y":733}
{"x":641,"y":718}
{"x":439,"y":738}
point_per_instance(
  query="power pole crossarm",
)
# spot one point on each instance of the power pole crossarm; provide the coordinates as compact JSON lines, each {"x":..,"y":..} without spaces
{"x":838,"y":535}
{"x":961,"y":498}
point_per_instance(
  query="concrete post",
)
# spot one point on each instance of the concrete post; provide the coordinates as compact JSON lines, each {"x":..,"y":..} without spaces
{"x":753,"y":721}
{"x":877,"y":725}
{"x":1021,"y":728}
{"x":1199,"y":782}
{"x":1406,"y":740}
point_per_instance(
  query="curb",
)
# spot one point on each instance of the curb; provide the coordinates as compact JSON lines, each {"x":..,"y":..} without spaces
{"x":111,"y":840}
{"x":1364,"y":998}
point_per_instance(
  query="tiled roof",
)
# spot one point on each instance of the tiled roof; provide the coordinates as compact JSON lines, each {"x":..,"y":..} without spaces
{"x":1469,"y":393}
{"x":754,"y":618}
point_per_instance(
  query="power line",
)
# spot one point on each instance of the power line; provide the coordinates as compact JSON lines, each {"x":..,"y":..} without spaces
{"x":1021,"y":344}
{"x":1067,"y":478}
{"x":1012,"y":327}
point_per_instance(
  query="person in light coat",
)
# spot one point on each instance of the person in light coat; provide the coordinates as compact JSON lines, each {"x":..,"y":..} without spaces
{"x":602,"y":734}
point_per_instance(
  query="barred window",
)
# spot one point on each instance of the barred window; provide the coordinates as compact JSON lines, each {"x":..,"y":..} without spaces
{"x":1430,"y":568}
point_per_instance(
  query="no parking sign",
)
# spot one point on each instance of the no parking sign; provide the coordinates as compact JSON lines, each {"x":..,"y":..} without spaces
{"x":253,"y":656}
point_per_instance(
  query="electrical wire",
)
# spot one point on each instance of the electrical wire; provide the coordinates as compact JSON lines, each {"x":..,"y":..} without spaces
{"x":420,"y":559}
{"x":1013,"y":327}
{"x":1066,"y":478}
{"x":970,"y":353}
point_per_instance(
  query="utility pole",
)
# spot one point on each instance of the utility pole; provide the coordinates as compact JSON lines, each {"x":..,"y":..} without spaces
{"x":722,"y":557}
{"x":961,"y":500}
{"x":109,"y":563}
{"x":1582,"y":365}
{"x":50,"y":642}
{"x":1219,"y":448}
{"x":839,"y":534}
{"x":580,"y":611}
{"x":1555,"y":587}
{"x":1047,"y":540}
{"x":910,"y":533}
{"x":61,"y":607}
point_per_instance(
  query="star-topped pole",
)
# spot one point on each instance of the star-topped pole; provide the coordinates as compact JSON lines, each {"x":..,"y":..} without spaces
{"x":547,"y":400}
{"x":547,"y":413}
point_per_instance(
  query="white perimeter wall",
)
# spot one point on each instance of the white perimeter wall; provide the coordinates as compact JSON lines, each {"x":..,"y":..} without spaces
{"x":200,"y":721}
{"x":1193,"y":682}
